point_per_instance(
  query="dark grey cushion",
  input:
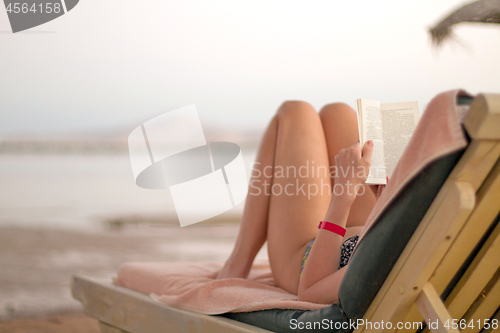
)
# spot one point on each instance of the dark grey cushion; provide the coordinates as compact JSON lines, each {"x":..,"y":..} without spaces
{"x":380,"y":248}
{"x":276,"y":320}
{"x":373,"y":260}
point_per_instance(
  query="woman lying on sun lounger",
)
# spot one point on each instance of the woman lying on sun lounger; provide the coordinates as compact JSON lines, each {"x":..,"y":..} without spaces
{"x":284,"y":206}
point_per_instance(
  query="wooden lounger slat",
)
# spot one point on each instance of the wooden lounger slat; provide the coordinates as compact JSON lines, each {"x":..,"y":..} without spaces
{"x":480,"y":220}
{"x":477,"y":276}
{"x":484,"y":306}
{"x":491,"y":329}
{"x":133,"y":312}
{"x":430,"y":305}
{"x":476,"y":162}
{"x":487,"y":199}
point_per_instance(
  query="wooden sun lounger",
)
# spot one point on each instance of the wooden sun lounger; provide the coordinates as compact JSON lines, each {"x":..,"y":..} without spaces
{"x":458,"y":219}
{"x":122,"y":310}
{"x":457,"y":235}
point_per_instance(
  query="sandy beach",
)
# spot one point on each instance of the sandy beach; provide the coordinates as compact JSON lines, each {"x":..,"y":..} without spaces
{"x":82,"y":214}
{"x":37,"y":266}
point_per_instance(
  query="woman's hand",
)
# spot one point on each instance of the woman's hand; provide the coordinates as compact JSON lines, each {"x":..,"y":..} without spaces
{"x":352,"y":168}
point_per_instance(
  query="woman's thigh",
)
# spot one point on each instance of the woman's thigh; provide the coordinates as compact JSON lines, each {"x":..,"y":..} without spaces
{"x":300,"y":189}
{"x":340,"y":126}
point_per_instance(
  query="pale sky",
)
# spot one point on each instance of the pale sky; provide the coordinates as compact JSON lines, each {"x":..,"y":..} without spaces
{"x":112,"y":64}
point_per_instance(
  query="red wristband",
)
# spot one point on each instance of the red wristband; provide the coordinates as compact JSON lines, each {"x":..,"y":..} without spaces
{"x":332,"y":227}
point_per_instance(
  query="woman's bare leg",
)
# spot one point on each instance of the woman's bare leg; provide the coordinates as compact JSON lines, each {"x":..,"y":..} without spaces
{"x":253,"y":228}
{"x":340,"y":124}
{"x":301,"y":154}
{"x":294,"y":139}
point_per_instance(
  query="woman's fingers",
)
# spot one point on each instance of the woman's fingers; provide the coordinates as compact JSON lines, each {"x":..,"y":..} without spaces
{"x":366,"y":155}
{"x":356,"y":159}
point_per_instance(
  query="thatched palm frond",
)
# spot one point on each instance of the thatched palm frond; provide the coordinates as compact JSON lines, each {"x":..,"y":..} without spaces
{"x":482,"y":11}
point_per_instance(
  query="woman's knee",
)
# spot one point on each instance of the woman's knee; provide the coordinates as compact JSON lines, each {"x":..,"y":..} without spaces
{"x":337,"y":112}
{"x":296,"y":110}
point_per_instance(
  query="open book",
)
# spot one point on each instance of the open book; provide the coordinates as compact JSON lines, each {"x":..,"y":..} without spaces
{"x":390,"y":127}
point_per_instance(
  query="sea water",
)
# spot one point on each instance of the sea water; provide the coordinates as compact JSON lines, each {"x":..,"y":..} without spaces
{"x":77,"y":190}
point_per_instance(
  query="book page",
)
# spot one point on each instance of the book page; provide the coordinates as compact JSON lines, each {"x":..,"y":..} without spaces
{"x":371,"y":129}
{"x":398,"y":122}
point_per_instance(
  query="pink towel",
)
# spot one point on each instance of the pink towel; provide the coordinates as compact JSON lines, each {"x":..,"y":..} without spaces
{"x":192,"y":286}
{"x":438,"y":133}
